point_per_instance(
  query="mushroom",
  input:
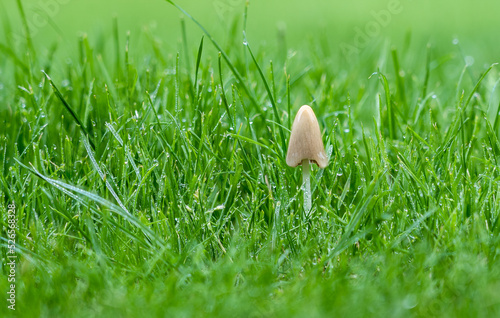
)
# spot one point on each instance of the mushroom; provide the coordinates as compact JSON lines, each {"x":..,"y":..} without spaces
{"x":305,"y":145}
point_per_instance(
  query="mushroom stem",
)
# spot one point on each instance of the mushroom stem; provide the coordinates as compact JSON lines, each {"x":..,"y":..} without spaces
{"x":306,"y":177}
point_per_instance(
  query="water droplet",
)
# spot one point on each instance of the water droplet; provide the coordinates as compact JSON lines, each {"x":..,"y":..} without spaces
{"x":469,"y":60}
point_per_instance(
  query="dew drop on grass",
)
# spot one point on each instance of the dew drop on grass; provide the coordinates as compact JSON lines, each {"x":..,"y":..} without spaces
{"x":410,"y":301}
{"x":469,"y":60}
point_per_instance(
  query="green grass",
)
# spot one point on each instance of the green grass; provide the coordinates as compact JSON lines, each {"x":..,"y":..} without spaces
{"x":152,"y":182}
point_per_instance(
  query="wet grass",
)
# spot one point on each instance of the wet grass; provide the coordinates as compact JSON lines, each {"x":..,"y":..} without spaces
{"x":151,"y":182}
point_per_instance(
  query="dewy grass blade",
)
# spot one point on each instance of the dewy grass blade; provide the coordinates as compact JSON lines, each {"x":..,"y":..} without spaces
{"x":198,"y":61}
{"x":70,"y":110}
{"x":427,"y":72}
{"x":412,"y":228}
{"x":127,"y":150}
{"x":269,"y":94}
{"x":223,"y":93}
{"x":348,"y":238}
{"x":71,"y":190}
{"x":101,"y":174}
{"x":388,"y":101}
{"x":476,"y":87}
{"x":240,"y":79}
{"x":497,"y":114}
{"x":249,"y":140}
{"x":399,"y":78}
{"x":185,"y":44}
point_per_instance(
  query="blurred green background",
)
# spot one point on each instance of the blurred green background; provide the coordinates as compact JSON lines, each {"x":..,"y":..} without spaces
{"x":351,"y":38}
{"x":476,"y":23}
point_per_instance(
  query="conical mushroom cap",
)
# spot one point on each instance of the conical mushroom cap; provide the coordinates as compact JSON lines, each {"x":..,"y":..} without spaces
{"x":305,"y":140}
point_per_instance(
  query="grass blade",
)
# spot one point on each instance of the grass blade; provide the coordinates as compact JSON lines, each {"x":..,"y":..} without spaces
{"x":235,"y":72}
{"x":270,"y":95}
{"x":70,"y":110}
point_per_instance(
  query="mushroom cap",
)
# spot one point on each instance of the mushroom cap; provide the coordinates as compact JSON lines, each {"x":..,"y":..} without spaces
{"x":305,"y":140}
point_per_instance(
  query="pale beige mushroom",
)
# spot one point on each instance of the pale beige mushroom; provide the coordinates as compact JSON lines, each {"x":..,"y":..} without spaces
{"x":306,"y":145}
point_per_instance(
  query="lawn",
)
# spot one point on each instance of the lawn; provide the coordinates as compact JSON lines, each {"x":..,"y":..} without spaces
{"x":144,"y":163}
